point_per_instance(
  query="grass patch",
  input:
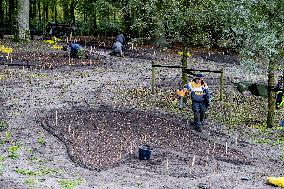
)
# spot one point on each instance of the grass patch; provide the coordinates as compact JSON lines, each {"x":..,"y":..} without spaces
{"x":69,"y":184}
{"x":6,"y":138}
{"x":30,"y":181}
{"x":40,"y":172}
{"x":12,"y":151}
{"x":3,"y":125}
{"x":40,"y":140}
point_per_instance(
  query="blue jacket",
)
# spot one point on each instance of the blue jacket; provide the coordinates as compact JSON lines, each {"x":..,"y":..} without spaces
{"x":117,"y":47}
{"x":75,"y":47}
{"x":199,"y":93}
{"x":120,"y":38}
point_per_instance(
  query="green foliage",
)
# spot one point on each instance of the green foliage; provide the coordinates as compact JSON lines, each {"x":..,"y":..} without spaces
{"x":40,"y":172}
{"x":30,"y":181}
{"x":3,"y":125}
{"x":12,"y":151}
{"x":40,"y":140}
{"x":69,"y":184}
{"x":7,"y":137}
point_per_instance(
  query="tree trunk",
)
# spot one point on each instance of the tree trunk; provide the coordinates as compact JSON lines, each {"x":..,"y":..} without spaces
{"x":23,"y":20}
{"x":271,"y":100}
{"x":1,"y":15}
{"x":72,"y":12}
{"x":46,"y":11}
{"x":95,"y":27}
{"x":55,"y":13}
{"x":11,"y":15}
{"x":32,"y":11}
{"x":126,"y":20}
{"x":184,"y":64}
{"x":39,"y":9}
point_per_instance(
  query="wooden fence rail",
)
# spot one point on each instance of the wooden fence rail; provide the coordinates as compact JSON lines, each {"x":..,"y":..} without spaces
{"x":188,"y":71}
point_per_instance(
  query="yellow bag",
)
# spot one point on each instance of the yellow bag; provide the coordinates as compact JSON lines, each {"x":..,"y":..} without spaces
{"x":276,"y":181}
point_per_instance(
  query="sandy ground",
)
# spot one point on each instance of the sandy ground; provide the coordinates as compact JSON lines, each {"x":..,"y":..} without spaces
{"x":42,"y":160}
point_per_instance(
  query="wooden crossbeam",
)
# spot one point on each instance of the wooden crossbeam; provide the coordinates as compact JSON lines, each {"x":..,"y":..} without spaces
{"x":166,"y":66}
{"x":188,"y":71}
{"x":191,"y":70}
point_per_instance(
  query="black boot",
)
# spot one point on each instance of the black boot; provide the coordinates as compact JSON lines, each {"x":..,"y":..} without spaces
{"x":197,"y":123}
{"x":202,"y":117}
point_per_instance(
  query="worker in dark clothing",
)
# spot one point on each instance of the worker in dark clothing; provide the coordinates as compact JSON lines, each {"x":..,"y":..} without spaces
{"x":117,"y":47}
{"x":200,"y":97}
{"x":120,"y":38}
{"x":76,"y":51}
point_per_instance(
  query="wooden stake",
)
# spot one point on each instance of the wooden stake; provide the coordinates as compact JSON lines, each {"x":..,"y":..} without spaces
{"x":236,"y":140}
{"x":231,"y":103}
{"x":167,"y":165}
{"x":222,"y":84}
{"x":226,"y":148}
{"x":153,"y":78}
{"x":131,"y":148}
{"x":120,"y":153}
{"x":56,"y":118}
{"x":214,"y":145}
{"x":69,"y":129}
{"x":193,"y":161}
{"x":207,"y":158}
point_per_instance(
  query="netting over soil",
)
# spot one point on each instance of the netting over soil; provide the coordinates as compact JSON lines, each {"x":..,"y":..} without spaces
{"x":103,"y":138}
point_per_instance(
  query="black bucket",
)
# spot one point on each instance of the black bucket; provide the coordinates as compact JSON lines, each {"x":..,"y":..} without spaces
{"x":144,"y":152}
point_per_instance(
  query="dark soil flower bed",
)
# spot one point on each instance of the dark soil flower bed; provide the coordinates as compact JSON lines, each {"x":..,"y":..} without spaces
{"x":103,"y":138}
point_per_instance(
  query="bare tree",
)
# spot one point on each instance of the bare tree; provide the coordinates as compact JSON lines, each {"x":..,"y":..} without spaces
{"x":23,"y":20}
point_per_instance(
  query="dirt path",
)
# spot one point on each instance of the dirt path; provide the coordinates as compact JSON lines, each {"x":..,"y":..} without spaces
{"x":42,"y":161}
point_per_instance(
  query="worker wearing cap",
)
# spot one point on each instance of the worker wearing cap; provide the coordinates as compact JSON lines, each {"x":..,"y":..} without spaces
{"x":200,"y":97}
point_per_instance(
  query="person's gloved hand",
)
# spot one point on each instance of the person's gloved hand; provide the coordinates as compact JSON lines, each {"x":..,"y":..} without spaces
{"x":181,"y":92}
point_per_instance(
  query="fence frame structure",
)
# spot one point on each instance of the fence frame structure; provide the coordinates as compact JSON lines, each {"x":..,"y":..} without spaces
{"x":188,"y":71}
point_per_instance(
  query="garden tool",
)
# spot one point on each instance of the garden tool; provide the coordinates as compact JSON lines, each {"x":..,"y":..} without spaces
{"x":181,"y":93}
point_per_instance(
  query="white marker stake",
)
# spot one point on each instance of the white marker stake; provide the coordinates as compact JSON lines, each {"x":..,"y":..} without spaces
{"x":56,"y":118}
{"x":167,"y":165}
{"x":69,"y":129}
{"x":226,"y":148}
{"x":193,"y":161}
{"x":131,"y":148}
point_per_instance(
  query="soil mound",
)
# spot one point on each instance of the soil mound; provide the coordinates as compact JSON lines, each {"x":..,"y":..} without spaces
{"x":103,"y":138}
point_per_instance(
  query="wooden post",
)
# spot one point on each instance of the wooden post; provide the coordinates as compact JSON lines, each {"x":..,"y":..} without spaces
{"x":271,"y":98}
{"x":153,"y":78}
{"x":231,"y":103}
{"x":184,"y":64}
{"x":70,"y":37}
{"x":69,"y":59}
{"x":222,"y":85}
